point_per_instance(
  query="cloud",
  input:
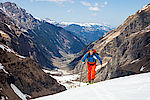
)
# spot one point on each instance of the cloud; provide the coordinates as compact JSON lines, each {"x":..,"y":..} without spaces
{"x":85,"y":3}
{"x":90,"y":6}
{"x":94,"y":8}
{"x":58,"y":1}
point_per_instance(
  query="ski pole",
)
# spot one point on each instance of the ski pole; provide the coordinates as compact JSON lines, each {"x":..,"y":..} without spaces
{"x":81,"y":74}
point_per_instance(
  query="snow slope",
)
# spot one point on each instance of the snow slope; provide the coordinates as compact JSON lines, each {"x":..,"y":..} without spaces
{"x":135,"y":87}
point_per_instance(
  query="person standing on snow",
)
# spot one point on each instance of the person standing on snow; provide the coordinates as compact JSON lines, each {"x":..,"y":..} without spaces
{"x":91,"y":64}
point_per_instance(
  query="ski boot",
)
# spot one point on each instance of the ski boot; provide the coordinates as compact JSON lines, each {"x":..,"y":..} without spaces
{"x":92,"y":81}
{"x":89,"y":82}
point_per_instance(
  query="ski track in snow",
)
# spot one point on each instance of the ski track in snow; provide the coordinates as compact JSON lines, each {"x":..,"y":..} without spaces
{"x":134,"y":87}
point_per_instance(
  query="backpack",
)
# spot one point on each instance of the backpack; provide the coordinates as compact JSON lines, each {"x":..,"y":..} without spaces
{"x":94,"y":52}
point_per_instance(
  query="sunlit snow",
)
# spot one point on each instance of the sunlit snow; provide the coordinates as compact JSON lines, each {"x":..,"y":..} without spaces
{"x":134,"y":87}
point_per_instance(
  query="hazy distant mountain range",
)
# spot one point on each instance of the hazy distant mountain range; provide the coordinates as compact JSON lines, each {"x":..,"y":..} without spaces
{"x":87,"y":32}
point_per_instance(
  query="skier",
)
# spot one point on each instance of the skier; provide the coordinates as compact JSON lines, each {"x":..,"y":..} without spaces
{"x":91,"y":64}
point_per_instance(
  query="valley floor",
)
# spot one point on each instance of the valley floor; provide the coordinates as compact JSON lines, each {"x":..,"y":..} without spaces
{"x":65,"y":78}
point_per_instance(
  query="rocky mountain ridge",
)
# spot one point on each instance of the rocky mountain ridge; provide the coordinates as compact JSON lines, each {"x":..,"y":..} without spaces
{"x":124,"y":50}
{"x":36,"y":39}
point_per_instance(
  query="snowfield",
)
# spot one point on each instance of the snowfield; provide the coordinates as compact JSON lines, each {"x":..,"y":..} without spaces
{"x":66,"y":79}
{"x":134,"y":87}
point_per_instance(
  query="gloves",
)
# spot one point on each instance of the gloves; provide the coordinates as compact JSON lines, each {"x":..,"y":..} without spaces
{"x":83,"y":63}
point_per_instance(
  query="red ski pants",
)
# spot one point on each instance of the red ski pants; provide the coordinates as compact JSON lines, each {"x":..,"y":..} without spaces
{"x":91,"y":71}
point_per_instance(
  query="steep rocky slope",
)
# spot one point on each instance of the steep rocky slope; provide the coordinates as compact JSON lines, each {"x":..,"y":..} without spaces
{"x":124,"y":50}
{"x":36,"y":39}
{"x":12,"y":36}
{"x":25,"y":74}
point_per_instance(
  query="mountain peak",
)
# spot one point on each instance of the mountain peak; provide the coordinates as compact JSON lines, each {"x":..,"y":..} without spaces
{"x":9,"y":3}
{"x":22,"y":19}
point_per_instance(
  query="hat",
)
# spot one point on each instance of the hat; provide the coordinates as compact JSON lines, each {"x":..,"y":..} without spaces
{"x":90,"y":50}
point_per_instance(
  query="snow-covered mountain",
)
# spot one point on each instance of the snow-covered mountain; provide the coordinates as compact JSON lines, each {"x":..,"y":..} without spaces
{"x":94,"y":25}
{"x":87,"y":32}
{"x":135,"y":87}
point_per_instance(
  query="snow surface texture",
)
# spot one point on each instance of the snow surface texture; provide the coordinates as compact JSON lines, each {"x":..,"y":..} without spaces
{"x":134,"y":87}
{"x":4,"y":47}
{"x":18,"y":92}
{"x":2,"y":67}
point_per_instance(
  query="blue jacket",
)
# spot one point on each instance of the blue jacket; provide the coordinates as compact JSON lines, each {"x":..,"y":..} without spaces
{"x":91,"y":58}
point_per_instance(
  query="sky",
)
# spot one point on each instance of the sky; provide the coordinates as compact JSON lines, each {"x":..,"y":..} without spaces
{"x":112,"y":12}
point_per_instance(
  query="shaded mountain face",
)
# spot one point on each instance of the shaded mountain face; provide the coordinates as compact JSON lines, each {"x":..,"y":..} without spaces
{"x":124,"y":50}
{"x":88,"y":32}
{"x":25,"y":74}
{"x":36,"y":39}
